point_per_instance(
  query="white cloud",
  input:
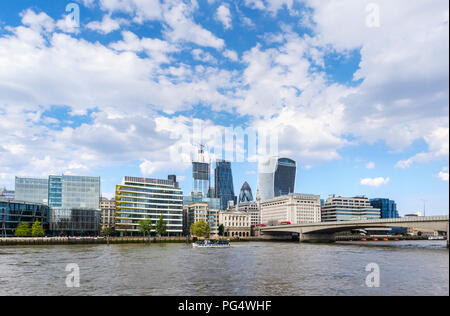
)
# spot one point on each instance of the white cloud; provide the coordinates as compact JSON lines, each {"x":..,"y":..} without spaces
{"x":231,"y":54}
{"x":223,"y":14}
{"x":106,"y":25}
{"x":374,"y":182}
{"x":443,"y":175}
{"x":370,"y":165}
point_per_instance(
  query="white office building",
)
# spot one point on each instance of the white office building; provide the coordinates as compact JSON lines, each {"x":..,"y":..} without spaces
{"x":293,"y":208}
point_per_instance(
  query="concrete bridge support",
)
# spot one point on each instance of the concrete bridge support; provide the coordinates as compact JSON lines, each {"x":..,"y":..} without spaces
{"x":317,"y":237}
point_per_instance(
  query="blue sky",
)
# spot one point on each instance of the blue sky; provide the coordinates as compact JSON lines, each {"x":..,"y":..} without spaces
{"x":358,"y":97}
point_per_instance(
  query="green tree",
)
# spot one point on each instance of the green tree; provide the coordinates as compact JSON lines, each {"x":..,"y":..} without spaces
{"x":221,"y":230}
{"x":161,"y":226}
{"x":108,"y":231}
{"x":37,"y":230}
{"x":145,"y":228}
{"x":200,"y":229}
{"x":23,"y":230}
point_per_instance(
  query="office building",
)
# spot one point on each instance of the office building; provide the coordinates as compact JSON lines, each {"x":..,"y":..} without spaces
{"x":200,"y":211}
{"x":293,"y":208}
{"x":73,"y":202}
{"x":74,"y":205}
{"x":224,"y":189}
{"x":387,"y":207}
{"x":348,"y":209}
{"x":276,"y":177}
{"x":108,"y":212}
{"x":6,"y":194}
{"x":252,"y":209}
{"x":32,"y":190}
{"x":147,"y":199}
{"x":236,"y":224}
{"x":12,"y":213}
{"x":201,"y":176}
{"x":246,"y":193}
{"x":213,"y":203}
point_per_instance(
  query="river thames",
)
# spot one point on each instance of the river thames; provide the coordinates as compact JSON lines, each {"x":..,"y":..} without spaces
{"x":245,"y":269}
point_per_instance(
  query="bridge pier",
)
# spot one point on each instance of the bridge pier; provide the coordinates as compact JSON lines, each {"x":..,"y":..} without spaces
{"x":317,"y":237}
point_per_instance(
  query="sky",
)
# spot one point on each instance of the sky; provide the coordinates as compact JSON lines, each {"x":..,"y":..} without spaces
{"x":355,"y":91}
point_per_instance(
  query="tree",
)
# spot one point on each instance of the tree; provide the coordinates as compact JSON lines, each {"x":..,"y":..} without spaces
{"x":161,"y":226}
{"x":23,"y":230}
{"x":37,"y":230}
{"x":108,"y":231}
{"x":200,"y":229}
{"x":221,"y":230}
{"x":145,"y":228}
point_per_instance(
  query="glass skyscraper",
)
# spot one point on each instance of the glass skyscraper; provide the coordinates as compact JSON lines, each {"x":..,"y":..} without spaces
{"x":276,"y":177}
{"x":200,"y":179}
{"x":388,"y":207}
{"x":224,"y":188}
{"x":246,"y":193}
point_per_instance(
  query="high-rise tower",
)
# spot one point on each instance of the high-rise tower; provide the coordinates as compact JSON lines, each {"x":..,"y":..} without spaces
{"x":224,"y":189}
{"x":276,"y":177}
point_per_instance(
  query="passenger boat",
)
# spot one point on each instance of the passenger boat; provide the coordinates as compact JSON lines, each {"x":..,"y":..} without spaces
{"x":211,"y":244}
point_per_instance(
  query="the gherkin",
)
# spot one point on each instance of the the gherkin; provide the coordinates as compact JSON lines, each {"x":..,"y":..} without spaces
{"x":246,"y":193}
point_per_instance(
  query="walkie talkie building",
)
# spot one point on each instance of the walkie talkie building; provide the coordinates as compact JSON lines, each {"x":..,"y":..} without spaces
{"x":276,"y":177}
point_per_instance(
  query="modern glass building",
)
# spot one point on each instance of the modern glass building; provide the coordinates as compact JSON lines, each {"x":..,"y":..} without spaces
{"x":12,"y":213}
{"x":276,"y":177}
{"x":200,"y":178}
{"x":147,"y":199}
{"x":73,"y":201}
{"x":388,"y":207}
{"x":213,"y":203}
{"x":246,"y":193}
{"x":224,"y":188}
{"x":32,"y":190}
{"x":74,"y":205}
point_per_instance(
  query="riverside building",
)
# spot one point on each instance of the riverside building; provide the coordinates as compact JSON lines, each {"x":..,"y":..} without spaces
{"x":292,"y":208}
{"x":108,"y":209}
{"x":12,"y":213}
{"x":339,"y":208}
{"x":276,"y":177}
{"x":236,"y":224}
{"x":147,"y":199}
{"x":73,"y":201}
{"x":200,"y":211}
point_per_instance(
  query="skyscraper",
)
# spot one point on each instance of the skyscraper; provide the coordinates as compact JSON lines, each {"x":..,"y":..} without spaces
{"x":276,"y":177}
{"x":246,"y":193}
{"x":224,"y":188}
{"x":388,"y":207}
{"x":200,"y":176}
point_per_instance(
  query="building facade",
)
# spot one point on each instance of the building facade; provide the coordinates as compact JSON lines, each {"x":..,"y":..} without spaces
{"x":339,"y":208}
{"x":236,"y":224}
{"x":147,"y":199}
{"x":252,"y":209}
{"x":245,"y":194}
{"x":7,"y":194}
{"x":276,"y":177}
{"x":224,"y":188}
{"x":387,"y":207}
{"x":292,"y":208}
{"x":12,"y":213}
{"x":73,"y":201}
{"x":108,"y":211}
{"x":32,"y":190}
{"x":197,"y":212}
{"x":74,"y":205}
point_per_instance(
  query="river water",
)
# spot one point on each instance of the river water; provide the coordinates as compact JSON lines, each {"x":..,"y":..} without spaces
{"x":254,"y":269}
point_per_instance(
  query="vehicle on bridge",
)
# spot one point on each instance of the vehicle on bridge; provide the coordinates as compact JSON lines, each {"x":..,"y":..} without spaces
{"x":285,"y":223}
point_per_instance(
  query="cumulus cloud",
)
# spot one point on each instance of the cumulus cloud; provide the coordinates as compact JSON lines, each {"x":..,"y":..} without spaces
{"x":443,"y":175}
{"x":106,"y":25}
{"x":223,"y":14}
{"x":374,"y":182}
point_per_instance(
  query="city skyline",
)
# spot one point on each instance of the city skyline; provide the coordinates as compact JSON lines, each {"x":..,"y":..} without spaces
{"x":363,"y":110}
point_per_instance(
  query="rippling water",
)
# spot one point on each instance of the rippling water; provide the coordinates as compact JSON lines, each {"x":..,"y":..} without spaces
{"x":407,"y":268}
